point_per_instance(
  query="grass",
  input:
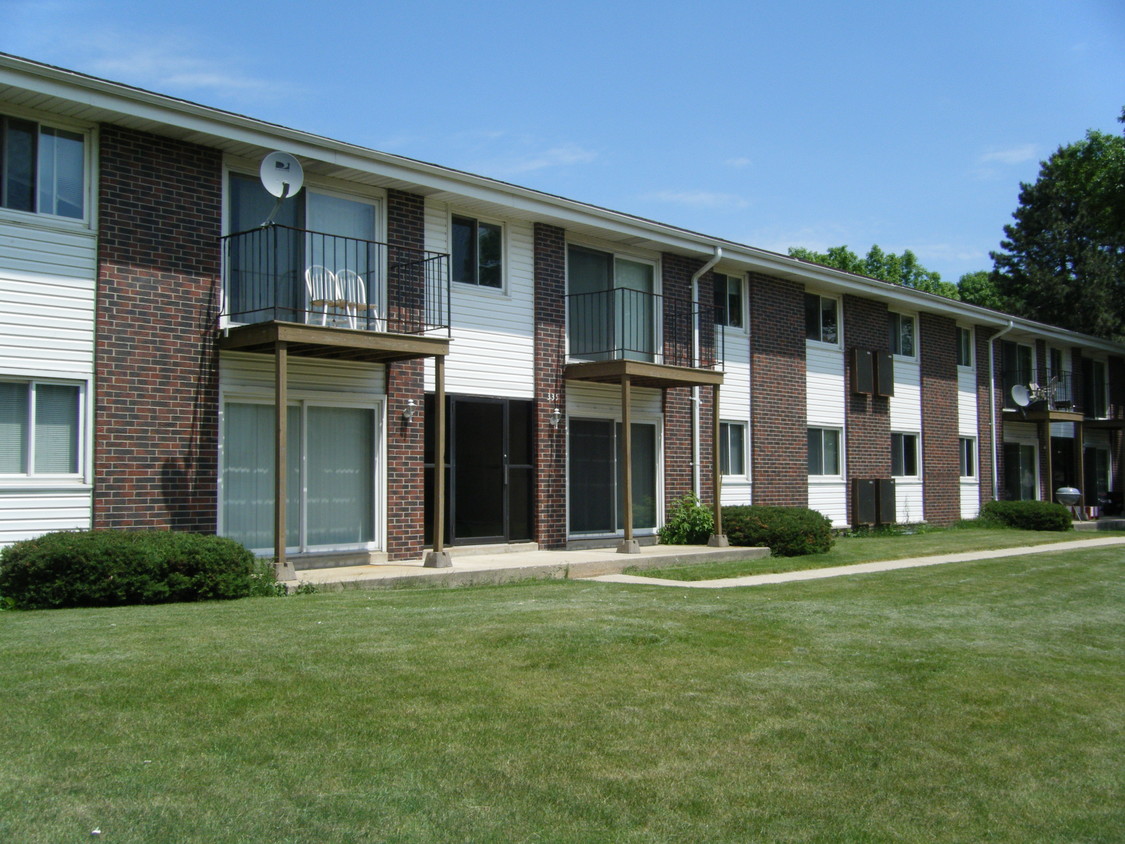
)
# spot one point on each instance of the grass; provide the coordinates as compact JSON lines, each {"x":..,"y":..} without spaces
{"x":865,"y":549}
{"x":969,"y":702}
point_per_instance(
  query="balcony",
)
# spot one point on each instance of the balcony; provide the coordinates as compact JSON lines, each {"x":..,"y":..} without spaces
{"x":333,"y":296}
{"x":1054,"y":400}
{"x":657,"y":340}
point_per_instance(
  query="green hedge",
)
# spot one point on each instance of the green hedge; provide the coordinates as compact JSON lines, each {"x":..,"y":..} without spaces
{"x":108,"y":568}
{"x":1028,"y":515}
{"x":786,"y":531}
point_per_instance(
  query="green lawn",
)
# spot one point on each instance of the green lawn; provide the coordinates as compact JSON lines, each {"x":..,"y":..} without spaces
{"x":967,"y":702}
{"x":850,"y":550}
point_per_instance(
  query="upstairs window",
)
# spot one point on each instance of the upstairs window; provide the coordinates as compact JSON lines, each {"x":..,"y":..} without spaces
{"x":729,"y":308}
{"x":39,"y":428}
{"x":821,"y":322}
{"x":964,"y":346}
{"x":477,"y":252}
{"x":901,"y":330}
{"x":42,"y":169}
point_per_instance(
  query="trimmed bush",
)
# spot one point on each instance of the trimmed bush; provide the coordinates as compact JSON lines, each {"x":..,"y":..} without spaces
{"x":689,"y":523}
{"x":786,"y":531}
{"x":1028,"y":515}
{"x":108,"y":568}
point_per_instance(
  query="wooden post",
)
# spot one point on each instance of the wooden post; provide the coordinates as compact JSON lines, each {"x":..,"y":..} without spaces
{"x":718,"y":539}
{"x":283,"y":567}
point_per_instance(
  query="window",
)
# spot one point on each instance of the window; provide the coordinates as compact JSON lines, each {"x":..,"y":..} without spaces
{"x":901,"y":329}
{"x":611,"y":307}
{"x":904,"y":455}
{"x":1094,"y":383}
{"x":477,"y":250}
{"x":40,"y":425}
{"x":821,"y":323}
{"x":42,"y":170}
{"x":732,"y":448}
{"x":968,"y":447}
{"x":964,"y":346}
{"x":728,"y":301}
{"x":824,"y":451}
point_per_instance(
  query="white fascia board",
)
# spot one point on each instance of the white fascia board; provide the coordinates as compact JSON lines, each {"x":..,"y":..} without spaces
{"x":120,"y":99}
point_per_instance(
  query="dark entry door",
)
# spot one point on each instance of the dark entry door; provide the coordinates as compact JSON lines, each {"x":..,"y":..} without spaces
{"x":489,"y":470}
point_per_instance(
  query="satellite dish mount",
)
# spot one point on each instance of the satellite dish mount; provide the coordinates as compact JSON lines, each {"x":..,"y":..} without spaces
{"x":282,"y":176}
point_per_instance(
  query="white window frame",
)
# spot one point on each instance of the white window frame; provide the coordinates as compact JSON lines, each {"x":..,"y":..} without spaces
{"x":917,"y":438}
{"x":31,"y":477}
{"x":834,"y":344}
{"x":89,"y":174}
{"x":967,"y":447}
{"x":963,"y":331}
{"x":744,"y":317}
{"x":488,"y":221}
{"x":727,"y":431}
{"x":894,"y":321}
{"x":823,"y":429}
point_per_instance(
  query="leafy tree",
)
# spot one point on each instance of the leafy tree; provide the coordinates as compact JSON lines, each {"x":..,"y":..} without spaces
{"x":1063,"y":259}
{"x":901,"y":269}
{"x":979,"y":288}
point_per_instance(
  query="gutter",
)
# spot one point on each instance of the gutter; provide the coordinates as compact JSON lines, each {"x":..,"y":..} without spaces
{"x":695,"y":438}
{"x":992,"y":405}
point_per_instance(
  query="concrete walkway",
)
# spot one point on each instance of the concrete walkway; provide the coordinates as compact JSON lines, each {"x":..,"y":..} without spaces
{"x":864,"y":568}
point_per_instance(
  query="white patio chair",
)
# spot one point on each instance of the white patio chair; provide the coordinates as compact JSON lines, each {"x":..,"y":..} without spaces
{"x":323,"y":292}
{"x":353,"y":296}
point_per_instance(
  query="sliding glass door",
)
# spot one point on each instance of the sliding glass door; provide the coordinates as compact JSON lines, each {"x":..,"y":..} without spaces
{"x":597,"y":476}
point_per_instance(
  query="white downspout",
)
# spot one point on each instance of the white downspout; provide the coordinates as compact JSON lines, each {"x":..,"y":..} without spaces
{"x":992,"y":406}
{"x":695,"y":438}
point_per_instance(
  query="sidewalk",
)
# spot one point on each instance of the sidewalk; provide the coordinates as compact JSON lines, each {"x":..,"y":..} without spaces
{"x":864,"y":568}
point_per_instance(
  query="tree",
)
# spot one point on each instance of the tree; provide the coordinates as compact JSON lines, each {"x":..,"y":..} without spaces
{"x":1063,"y":259}
{"x":897,"y":269}
{"x":979,"y":288}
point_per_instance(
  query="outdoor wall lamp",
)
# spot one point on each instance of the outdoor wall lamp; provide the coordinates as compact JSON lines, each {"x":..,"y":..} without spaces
{"x":556,"y":417}
{"x":409,"y":411}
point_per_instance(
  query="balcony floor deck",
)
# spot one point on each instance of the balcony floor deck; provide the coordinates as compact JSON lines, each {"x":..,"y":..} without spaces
{"x":642,"y":374}
{"x":331,"y":342}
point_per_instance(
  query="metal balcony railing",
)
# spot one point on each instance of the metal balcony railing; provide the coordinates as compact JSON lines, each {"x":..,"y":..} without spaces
{"x":626,"y":324}
{"x":1057,"y":393}
{"x":294,"y":275}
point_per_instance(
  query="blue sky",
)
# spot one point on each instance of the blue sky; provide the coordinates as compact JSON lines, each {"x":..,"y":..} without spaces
{"x":806,"y":123}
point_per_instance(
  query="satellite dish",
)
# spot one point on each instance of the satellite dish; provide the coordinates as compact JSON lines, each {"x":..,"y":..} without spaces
{"x":282,"y":176}
{"x":1021,"y":395}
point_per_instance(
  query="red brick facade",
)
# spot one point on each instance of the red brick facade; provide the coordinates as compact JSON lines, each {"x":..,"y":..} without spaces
{"x":985,"y":394}
{"x":941,"y":465}
{"x":405,"y":475}
{"x":156,"y":365}
{"x":778,"y":413}
{"x":550,"y":357}
{"x":868,"y":418}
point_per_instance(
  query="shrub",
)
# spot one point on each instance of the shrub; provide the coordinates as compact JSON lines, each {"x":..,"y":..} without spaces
{"x":1028,"y":515}
{"x":786,"y":531}
{"x":107,"y":568}
{"x":689,"y":523}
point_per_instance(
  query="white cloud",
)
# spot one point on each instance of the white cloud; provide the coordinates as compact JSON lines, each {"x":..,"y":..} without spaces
{"x":525,"y":156}
{"x":738,"y":163}
{"x":698,"y":198}
{"x":1013,"y":155}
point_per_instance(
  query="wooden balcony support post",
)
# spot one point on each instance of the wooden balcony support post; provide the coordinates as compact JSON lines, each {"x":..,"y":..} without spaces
{"x":282,"y":566}
{"x":718,"y":539}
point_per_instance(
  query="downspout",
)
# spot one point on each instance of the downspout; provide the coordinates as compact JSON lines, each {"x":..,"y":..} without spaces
{"x":992,"y":406}
{"x":695,"y":439}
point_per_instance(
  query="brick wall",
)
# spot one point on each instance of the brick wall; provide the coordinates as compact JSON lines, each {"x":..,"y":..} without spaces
{"x":941,"y":465}
{"x":778,"y":412}
{"x":868,"y":418}
{"x":405,"y":475}
{"x":985,"y":395}
{"x":156,"y":364}
{"x":550,"y":357}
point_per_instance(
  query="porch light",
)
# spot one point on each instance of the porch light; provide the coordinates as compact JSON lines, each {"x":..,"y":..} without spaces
{"x":409,"y":411}
{"x":556,"y":417}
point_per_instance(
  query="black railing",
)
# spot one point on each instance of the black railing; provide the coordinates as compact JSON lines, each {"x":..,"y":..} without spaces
{"x":294,"y":275}
{"x":626,"y":324}
{"x":1056,"y":393}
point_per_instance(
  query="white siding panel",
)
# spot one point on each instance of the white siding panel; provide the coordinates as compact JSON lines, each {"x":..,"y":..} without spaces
{"x":25,"y":514}
{"x":830,"y":498}
{"x":970,"y":500}
{"x":906,"y":403}
{"x":604,"y":401}
{"x":46,"y":324}
{"x":239,"y":370}
{"x":734,"y":395}
{"x":908,"y":501}
{"x":492,"y":352}
{"x":736,"y":492}
{"x":825,"y":391}
{"x":967,"y":403}
{"x":40,"y":250}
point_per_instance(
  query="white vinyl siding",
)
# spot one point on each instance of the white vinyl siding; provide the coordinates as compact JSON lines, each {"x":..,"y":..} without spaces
{"x":26,"y":513}
{"x":241,"y":371}
{"x":734,"y":402}
{"x":826,"y":397}
{"x":493,"y":335}
{"x":967,"y":427}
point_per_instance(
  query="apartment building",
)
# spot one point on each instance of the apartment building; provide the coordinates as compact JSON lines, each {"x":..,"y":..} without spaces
{"x":434,"y":358}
